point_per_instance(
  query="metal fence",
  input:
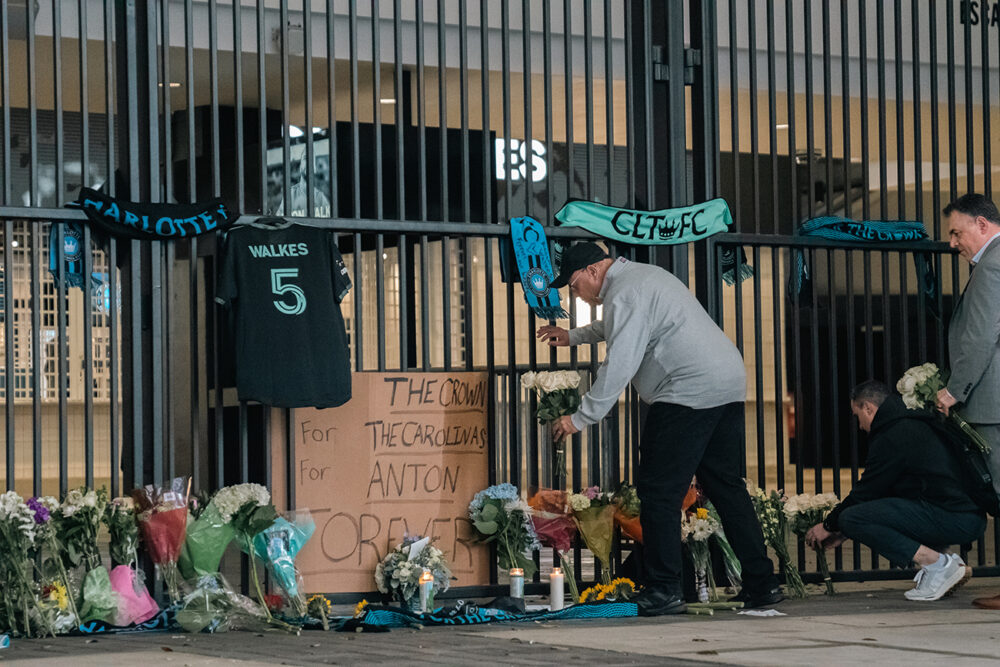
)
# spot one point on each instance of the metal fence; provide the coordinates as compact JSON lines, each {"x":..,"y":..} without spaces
{"x":413,"y":130}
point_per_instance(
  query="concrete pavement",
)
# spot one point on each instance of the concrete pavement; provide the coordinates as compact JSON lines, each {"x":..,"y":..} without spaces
{"x":864,"y":623}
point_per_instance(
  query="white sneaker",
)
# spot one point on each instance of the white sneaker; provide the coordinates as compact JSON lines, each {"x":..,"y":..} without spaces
{"x":935,"y":584}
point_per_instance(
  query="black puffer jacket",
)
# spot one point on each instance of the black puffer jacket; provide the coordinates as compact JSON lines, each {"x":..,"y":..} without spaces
{"x":906,"y":459}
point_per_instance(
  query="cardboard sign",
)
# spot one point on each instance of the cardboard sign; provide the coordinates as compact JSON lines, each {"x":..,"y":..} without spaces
{"x":403,"y":457}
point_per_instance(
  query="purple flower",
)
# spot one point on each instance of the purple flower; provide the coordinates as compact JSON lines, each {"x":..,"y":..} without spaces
{"x":592,"y":492}
{"x":41,"y":512}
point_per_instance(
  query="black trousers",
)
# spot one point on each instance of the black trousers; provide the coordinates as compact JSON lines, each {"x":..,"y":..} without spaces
{"x":677,"y":443}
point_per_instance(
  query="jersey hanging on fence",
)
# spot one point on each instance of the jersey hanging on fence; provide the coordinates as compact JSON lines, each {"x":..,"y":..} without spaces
{"x":284,"y":282}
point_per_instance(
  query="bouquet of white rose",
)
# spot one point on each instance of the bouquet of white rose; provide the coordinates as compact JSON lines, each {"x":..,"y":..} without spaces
{"x":805,"y":511}
{"x":919,"y":387}
{"x":696,"y":528}
{"x":770,"y":509}
{"x":557,"y":396}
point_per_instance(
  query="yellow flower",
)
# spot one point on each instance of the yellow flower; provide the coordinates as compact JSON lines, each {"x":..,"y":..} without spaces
{"x":57,"y":594}
{"x":360,"y":608}
{"x":702,"y":512}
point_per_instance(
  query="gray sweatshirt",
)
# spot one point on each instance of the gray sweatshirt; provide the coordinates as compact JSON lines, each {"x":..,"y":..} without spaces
{"x":661,"y":339}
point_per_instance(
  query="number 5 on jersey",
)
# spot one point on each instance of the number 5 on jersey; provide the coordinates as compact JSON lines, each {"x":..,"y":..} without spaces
{"x":281,"y":285}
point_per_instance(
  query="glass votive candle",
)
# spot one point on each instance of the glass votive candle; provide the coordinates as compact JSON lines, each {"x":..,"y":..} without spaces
{"x":516,"y":582}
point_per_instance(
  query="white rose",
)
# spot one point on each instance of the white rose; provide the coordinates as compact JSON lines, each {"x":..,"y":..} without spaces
{"x":528,"y":380}
{"x":569,"y":379}
{"x":906,"y":385}
{"x":911,"y":401}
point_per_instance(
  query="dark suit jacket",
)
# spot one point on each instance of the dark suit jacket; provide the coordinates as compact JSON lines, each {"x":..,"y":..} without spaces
{"x":974,"y":342}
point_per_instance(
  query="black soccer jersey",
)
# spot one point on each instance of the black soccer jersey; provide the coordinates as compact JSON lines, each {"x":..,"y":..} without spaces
{"x":285,"y":282}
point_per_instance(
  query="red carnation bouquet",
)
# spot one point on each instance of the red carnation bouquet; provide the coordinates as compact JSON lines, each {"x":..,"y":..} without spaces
{"x":162,"y":515}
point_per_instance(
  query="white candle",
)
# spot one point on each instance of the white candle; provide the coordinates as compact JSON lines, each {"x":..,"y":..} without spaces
{"x":516,"y":582}
{"x":426,"y":591}
{"x":556,"y":595}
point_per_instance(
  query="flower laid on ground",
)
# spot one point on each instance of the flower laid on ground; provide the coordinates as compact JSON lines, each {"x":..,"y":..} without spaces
{"x":594,"y":514}
{"x":734,"y":569}
{"x":498,"y":514}
{"x":360,"y":608}
{"x":919,"y":387}
{"x":213,"y":606}
{"x":49,"y":549}
{"x":616,"y":590}
{"x":135,"y":604}
{"x":319,"y":607}
{"x":770,"y":510}
{"x":161,"y":512}
{"x":557,"y":396}
{"x":208,"y":535}
{"x":803,"y":512}
{"x":398,"y":574}
{"x":80,"y":520}
{"x":553,"y":521}
{"x":696,"y":529}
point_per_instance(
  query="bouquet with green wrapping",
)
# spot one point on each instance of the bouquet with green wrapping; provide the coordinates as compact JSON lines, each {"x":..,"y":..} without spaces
{"x":213,"y":606}
{"x":78,"y":523}
{"x":500,"y":515}
{"x":277,"y":546}
{"x":208,"y":535}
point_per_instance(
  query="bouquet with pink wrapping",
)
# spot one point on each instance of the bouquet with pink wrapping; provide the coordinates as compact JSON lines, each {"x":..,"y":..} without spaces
{"x":135,"y":604}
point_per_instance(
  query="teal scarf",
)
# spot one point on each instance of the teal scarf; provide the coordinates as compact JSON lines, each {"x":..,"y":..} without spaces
{"x":669,"y":226}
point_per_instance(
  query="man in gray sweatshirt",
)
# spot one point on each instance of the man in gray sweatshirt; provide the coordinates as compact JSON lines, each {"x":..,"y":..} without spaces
{"x":659,"y":338}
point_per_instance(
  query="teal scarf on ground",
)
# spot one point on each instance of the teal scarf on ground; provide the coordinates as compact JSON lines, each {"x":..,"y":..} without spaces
{"x":667,"y":226}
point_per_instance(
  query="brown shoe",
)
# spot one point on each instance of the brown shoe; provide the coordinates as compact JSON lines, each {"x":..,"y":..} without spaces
{"x":987,"y":603}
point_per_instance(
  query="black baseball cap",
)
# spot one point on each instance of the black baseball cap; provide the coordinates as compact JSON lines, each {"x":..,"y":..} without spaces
{"x":576,"y":257}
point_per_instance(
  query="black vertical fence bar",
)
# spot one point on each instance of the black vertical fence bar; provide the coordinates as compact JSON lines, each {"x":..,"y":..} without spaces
{"x":380,"y":261}
{"x":609,"y":100}
{"x":526,"y":83}
{"x":845,"y":103}
{"x":400,"y":104}
{"x":986,"y":106}
{"x":238,"y":104}
{"x":163,"y":53}
{"x":754,"y":116}
{"x":31,"y":85}
{"x":244,"y":444}
{"x":810,"y":115}
{"x":897,"y":29}
{"x":307,"y":122}
{"x":10,"y":372}
{"x":970,"y":137}
{"x":790,"y":102}
{"x":487,"y":147}
{"x":852,"y":380}
{"x":828,"y":191}
{"x":588,"y":80}
{"x":331,"y":112}
{"x":904,"y":309}
{"x":157,"y":392}
{"x":505,"y":103}
{"x":442,"y":59}
{"x":863,"y":67}
{"x":758,"y":349}
{"x":150,"y":127}
{"x":935,"y":130}
{"x":57,"y":98}
{"x":285,"y":106}
{"x":952,"y":129}
{"x":403,"y":286}
{"x":62,"y":351}
{"x":262,"y":108}
{"x":777,"y":299}
{"x":355,"y":148}
{"x":114,"y":363}
{"x":630,"y":107}
{"x":5,"y":132}
{"x":425,"y":311}
{"x":446,"y":300}
{"x":918,"y":130}
{"x":463,"y":97}
{"x":772,"y":119}
{"x":734,"y":106}
{"x":814,"y":359}
{"x":568,"y":91}
{"x":547,"y":106}
{"x":376,"y":113}
{"x":36,"y":352}
{"x":421,"y":117}
{"x":883,"y":177}
{"x":359,"y":311}
{"x":832,"y":346}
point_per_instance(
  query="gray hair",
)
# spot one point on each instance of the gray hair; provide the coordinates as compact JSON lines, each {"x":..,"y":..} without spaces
{"x":870,"y":391}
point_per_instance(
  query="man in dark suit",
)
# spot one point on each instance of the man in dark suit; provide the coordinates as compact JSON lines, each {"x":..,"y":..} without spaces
{"x":974,"y":331}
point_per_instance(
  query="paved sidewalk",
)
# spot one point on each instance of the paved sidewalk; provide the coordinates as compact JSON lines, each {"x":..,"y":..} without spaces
{"x":866,"y":623}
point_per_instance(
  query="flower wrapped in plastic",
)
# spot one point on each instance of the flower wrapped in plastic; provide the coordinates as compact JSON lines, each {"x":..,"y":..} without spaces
{"x":697,"y":528}
{"x":499,"y":515}
{"x":803,"y":512}
{"x":594,"y":514}
{"x":162,"y":518}
{"x":398,"y":574}
{"x":78,"y":523}
{"x":770,"y":510}
{"x":734,"y":569}
{"x":277,"y":546}
{"x":553,"y":521}
{"x":213,"y":606}
{"x":135,"y":604}
{"x":558,"y":395}
{"x":208,"y":535}
{"x":919,"y":387}
{"x":627,"y":509}
{"x":61,"y":590}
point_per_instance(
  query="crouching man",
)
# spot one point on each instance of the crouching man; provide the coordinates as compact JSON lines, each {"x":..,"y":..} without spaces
{"x":909,"y":504}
